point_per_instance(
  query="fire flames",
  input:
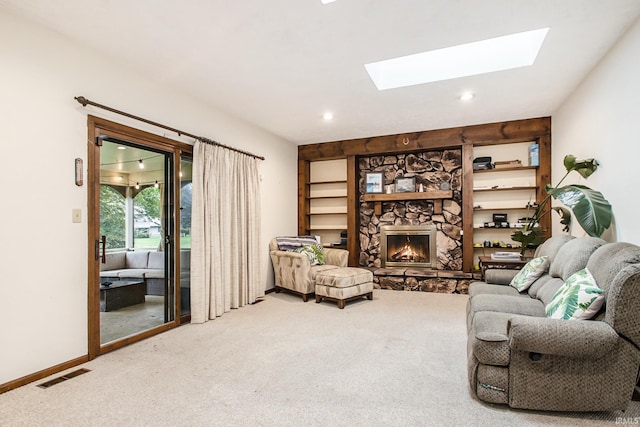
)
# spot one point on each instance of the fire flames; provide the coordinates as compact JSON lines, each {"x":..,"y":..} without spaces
{"x":407,"y":254}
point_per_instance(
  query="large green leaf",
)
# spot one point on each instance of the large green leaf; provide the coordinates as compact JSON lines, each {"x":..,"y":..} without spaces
{"x":590,"y":208}
{"x":569,"y":162}
{"x":565,"y":217}
{"x":584,"y":167}
{"x":528,"y":237}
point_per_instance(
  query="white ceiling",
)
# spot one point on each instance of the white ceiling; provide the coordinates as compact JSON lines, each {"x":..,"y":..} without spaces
{"x":280,"y":64}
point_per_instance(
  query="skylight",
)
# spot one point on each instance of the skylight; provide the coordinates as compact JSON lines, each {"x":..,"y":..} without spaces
{"x":485,"y":56}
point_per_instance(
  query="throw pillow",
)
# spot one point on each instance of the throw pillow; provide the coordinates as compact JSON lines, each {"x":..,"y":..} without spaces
{"x":293,"y":243}
{"x":579,"y":298}
{"x":530,"y":273}
{"x":313,"y":252}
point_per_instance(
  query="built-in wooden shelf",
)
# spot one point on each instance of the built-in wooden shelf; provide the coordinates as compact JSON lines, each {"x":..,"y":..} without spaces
{"x":341,"y":181}
{"x":505,"y":188}
{"x":498,"y":228}
{"x":332,"y":246}
{"x":328,"y":197}
{"x":436,"y":196}
{"x":328,"y":227}
{"x":494,"y":139}
{"x":524,"y":208}
{"x":512,"y":168}
{"x":497,"y":248}
{"x":328,"y":213}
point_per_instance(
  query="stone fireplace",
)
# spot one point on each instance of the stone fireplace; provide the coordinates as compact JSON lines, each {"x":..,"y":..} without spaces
{"x":431,"y":169}
{"x":435,"y":265}
{"x":408,"y":246}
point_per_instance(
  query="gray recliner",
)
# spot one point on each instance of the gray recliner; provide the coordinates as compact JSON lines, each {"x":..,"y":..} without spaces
{"x":519,"y":357}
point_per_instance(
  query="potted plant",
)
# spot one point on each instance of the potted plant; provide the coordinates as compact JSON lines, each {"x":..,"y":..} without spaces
{"x":590,"y":208}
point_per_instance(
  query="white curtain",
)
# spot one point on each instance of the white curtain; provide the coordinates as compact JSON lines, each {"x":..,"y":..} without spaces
{"x":225,"y":232}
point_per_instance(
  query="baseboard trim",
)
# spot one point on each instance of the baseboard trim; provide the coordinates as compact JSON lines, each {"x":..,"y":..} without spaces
{"x":42,"y":374}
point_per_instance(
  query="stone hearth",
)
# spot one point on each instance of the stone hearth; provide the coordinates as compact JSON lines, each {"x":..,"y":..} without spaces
{"x":425,"y":280}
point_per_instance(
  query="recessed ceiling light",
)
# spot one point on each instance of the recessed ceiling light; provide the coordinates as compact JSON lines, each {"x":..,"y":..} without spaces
{"x":467,"y":96}
{"x":485,"y":56}
{"x":120,"y":147}
{"x":326,"y":1}
{"x":327,"y":116}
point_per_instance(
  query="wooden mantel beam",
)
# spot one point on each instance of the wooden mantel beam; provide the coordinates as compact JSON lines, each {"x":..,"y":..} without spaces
{"x":424,"y":195}
{"x":436,"y":196}
{"x":492,"y":133}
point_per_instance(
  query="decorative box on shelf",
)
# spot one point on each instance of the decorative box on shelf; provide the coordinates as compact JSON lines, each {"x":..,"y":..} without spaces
{"x":508,"y":164}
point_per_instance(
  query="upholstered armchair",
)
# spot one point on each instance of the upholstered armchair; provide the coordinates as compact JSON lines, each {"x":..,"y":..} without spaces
{"x":294,"y":272}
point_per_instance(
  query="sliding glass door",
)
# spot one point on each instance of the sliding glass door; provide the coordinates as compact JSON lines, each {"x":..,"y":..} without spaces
{"x":139,"y":190}
{"x":136,"y":293}
{"x":186,"y":187}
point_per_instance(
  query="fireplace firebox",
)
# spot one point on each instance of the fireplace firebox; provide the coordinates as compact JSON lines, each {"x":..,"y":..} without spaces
{"x":408,"y":246}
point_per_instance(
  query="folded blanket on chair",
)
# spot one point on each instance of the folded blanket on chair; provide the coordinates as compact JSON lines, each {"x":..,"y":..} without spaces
{"x":293,"y":243}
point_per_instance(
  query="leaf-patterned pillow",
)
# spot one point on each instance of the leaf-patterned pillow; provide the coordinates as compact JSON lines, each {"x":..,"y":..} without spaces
{"x":313,"y":252}
{"x":578,"y":298}
{"x":530,"y":273}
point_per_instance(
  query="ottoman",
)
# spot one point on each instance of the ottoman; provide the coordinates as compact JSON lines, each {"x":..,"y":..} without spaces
{"x":344,"y":284}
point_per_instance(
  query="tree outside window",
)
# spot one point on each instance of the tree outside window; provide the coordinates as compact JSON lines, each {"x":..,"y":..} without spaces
{"x":147,"y":218}
{"x":112,"y":217}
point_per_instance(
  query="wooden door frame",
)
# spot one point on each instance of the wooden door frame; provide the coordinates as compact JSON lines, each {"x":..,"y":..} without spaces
{"x":96,"y":127}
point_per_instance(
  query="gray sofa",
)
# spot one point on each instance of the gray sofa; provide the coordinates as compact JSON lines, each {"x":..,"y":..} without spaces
{"x":519,"y":357}
{"x":148,"y":266}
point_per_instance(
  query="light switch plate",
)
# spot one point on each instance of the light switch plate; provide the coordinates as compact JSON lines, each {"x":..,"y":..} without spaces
{"x":76,"y":215}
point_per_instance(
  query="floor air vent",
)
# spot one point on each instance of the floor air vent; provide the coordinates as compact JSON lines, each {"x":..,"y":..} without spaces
{"x":63,"y":378}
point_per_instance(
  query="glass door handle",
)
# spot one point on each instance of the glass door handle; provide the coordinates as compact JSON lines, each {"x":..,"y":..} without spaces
{"x":101,"y":254}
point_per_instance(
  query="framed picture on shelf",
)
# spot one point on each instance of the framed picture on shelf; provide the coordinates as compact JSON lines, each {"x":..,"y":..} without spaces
{"x":406,"y":185}
{"x":373,"y":182}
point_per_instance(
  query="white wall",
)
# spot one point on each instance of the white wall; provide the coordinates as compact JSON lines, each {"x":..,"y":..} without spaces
{"x":43,"y":285}
{"x":600,"y":120}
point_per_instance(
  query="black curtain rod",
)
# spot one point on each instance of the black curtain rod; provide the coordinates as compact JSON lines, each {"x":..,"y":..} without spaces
{"x":84,"y":101}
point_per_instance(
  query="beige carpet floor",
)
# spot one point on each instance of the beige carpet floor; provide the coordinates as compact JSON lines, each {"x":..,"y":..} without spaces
{"x":398,"y":360}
